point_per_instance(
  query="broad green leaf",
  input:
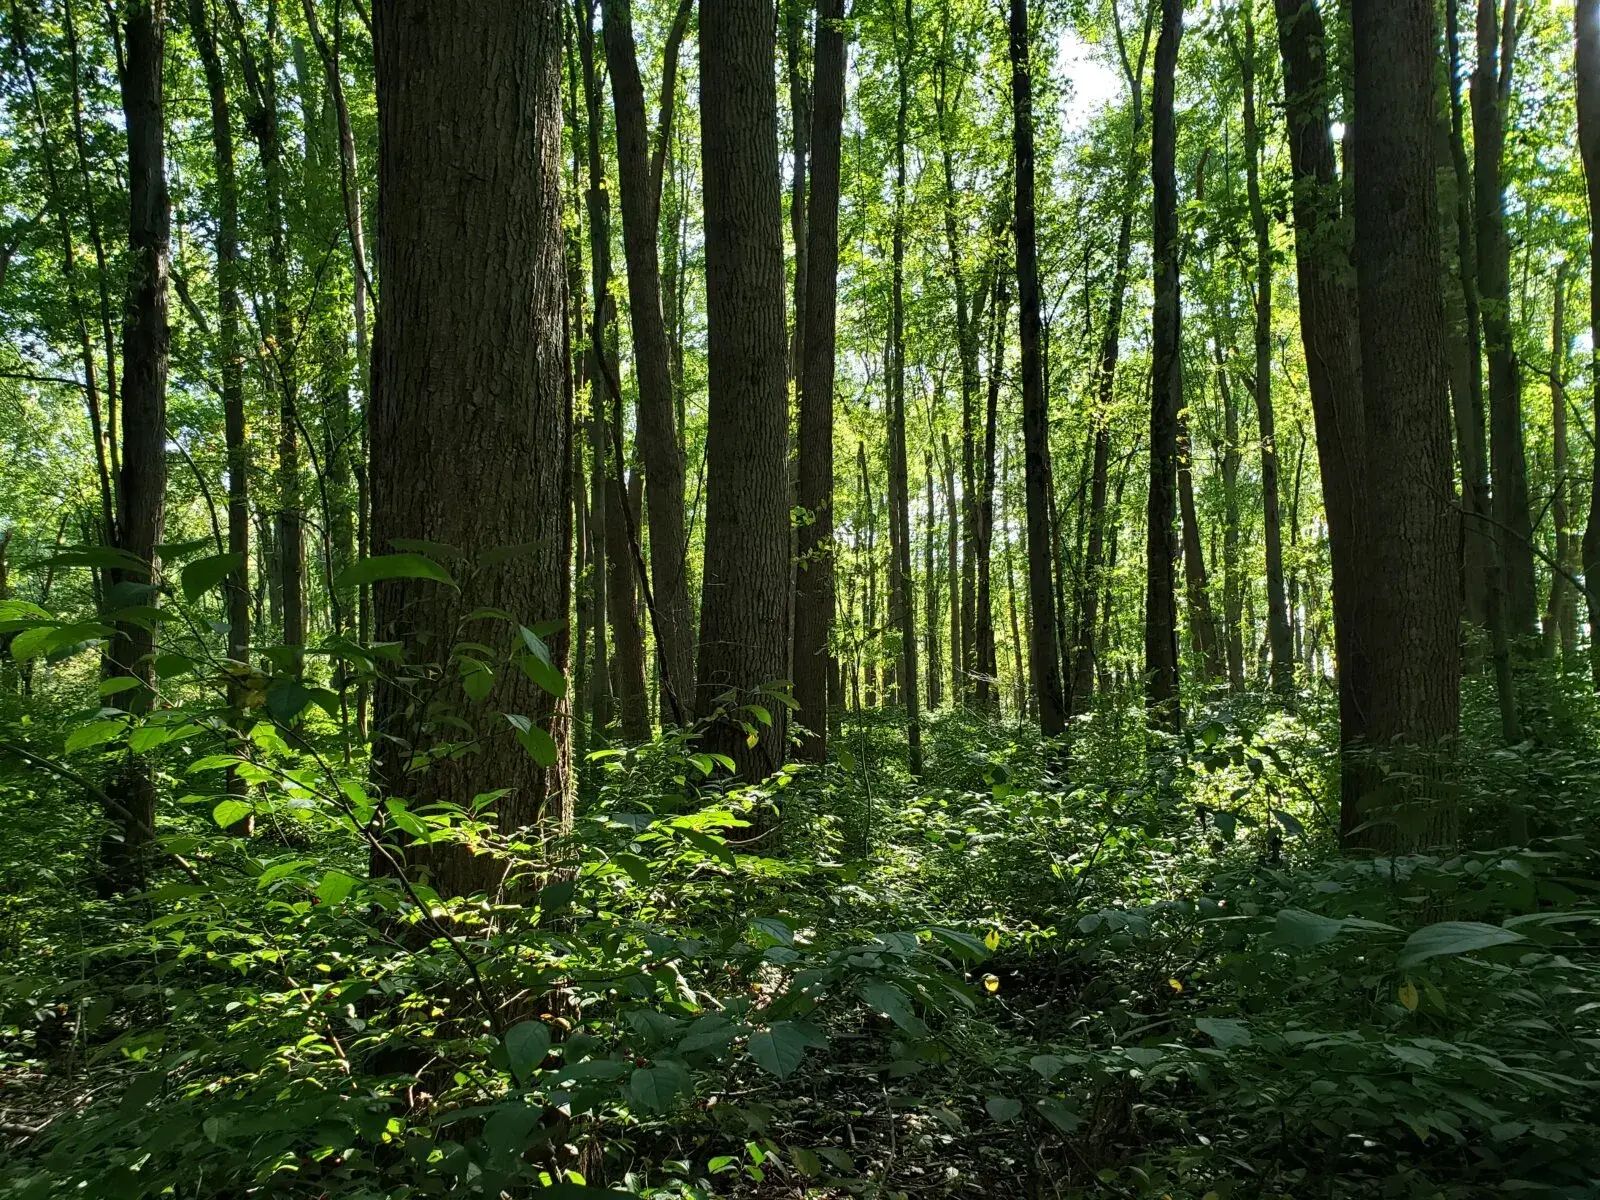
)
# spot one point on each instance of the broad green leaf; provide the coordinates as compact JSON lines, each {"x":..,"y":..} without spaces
{"x":200,"y":576}
{"x":526,"y":1045}
{"x":335,"y":886}
{"x":893,"y":1003}
{"x":477,"y":678}
{"x":1297,"y":928}
{"x":393,"y":566}
{"x":96,"y":733}
{"x":1225,"y":1031}
{"x":230,"y":812}
{"x":1453,"y":937}
{"x":105,"y":557}
{"x":709,"y":1032}
{"x":963,"y":944}
{"x":118,"y":685}
{"x":1058,"y":1114}
{"x":638,"y":870}
{"x":509,"y":1129}
{"x":404,"y":821}
{"x":655,"y":1088}
{"x":779,"y":1049}
{"x":1002,"y":1108}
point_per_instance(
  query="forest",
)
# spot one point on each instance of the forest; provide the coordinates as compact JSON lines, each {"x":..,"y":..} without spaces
{"x":799,"y":599}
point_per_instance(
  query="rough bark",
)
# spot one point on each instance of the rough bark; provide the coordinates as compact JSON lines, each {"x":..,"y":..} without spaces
{"x":1411,"y":693}
{"x":657,"y":440}
{"x":1044,"y":662}
{"x":1232,"y":575}
{"x":814,"y":582}
{"x":1204,"y":636}
{"x":744,"y":621}
{"x":142,"y":481}
{"x":1588,"y":75}
{"x":987,"y":691}
{"x":468,"y":385}
{"x":1560,"y":619}
{"x":1166,"y":399}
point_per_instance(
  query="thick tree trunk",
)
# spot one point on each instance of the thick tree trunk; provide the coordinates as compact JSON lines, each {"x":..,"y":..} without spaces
{"x":1044,"y":661}
{"x":1508,"y":468}
{"x":657,"y":440}
{"x":142,"y":481}
{"x":1411,"y":692}
{"x":814,"y":581}
{"x":1280,"y":637}
{"x":469,"y":385}
{"x":744,"y":621}
{"x":1329,"y":329}
{"x":1166,"y":401}
{"x":1588,"y":75}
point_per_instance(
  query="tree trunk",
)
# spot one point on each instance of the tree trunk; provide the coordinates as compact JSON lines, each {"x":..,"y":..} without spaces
{"x":633,"y":702}
{"x":794,"y":25}
{"x":1560,"y":619}
{"x":1044,"y":661}
{"x":1203,"y":632}
{"x":1328,"y":328}
{"x":988,"y":694}
{"x":657,"y":439}
{"x":142,"y":481}
{"x":1508,"y":468}
{"x":469,"y":385}
{"x":814,"y":581}
{"x":744,"y":621}
{"x":1411,"y":695}
{"x":952,"y":568}
{"x":1166,"y":400}
{"x":933,"y":675}
{"x":1280,"y":636}
{"x":1232,"y":575}
{"x":1588,"y":75}
{"x":230,"y":368}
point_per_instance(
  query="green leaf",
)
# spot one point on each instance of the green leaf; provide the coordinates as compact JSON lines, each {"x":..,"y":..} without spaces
{"x":392,"y":566}
{"x":230,"y":812}
{"x":1002,"y":1108}
{"x":657,"y":1087}
{"x":122,"y":683}
{"x":526,"y":1045}
{"x":477,"y":678}
{"x":540,"y":746}
{"x":508,"y":1129}
{"x":95,"y":556}
{"x":779,"y":1049}
{"x":1225,"y":1031}
{"x":963,"y":944}
{"x":1297,"y":928}
{"x":1058,"y":1114}
{"x":709,"y":1032}
{"x":775,"y":929}
{"x":1048,"y":1065}
{"x":404,"y":821}
{"x":707,"y":844}
{"x":96,"y":733}
{"x":200,"y":576}
{"x":545,"y":675}
{"x":335,"y":886}
{"x":893,"y":1003}
{"x":1453,"y":937}
{"x":638,"y":870}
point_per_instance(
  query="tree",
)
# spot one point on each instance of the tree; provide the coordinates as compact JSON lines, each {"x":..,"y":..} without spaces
{"x":142,"y":482}
{"x":639,"y":175}
{"x":744,"y":604}
{"x":468,"y":387}
{"x":814,"y":580}
{"x":1044,"y":661}
{"x":1588,"y":77}
{"x":1410,"y":693}
{"x":1166,"y":397}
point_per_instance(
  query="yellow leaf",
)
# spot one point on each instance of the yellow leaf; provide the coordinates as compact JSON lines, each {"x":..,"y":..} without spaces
{"x":1408,"y":996}
{"x":992,"y":939}
{"x":1175,"y":985}
{"x":991,"y":984}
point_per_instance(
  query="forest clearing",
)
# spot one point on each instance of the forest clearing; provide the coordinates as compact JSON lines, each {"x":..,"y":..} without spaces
{"x":787,"y":599}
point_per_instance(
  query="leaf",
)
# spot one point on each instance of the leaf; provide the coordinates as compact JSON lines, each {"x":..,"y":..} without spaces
{"x":404,"y":821}
{"x":657,"y":1087}
{"x":540,"y":746}
{"x":118,"y":685}
{"x":779,"y":1049}
{"x":1058,"y":1114}
{"x":775,"y":928}
{"x":805,"y":1161}
{"x":95,"y":556}
{"x":1225,"y":1031}
{"x":707,"y":844}
{"x":97,"y":733}
{"x":1301,"y":930}
{"x":893,"y":1003}
{"x":526,"y":1045}
{"x":1048,"y":1065}
{"x":1002,"y":1108}
{"x":507,"y":1130}
{"x":961,"y":943}
{"x":231,"y":812}
{"x":545,"y":676}
{"x":477,"y":678}
{"x":638,"y":870}
{"x":200,"y":576}
{"x":1453,"y":937}
{"x":335,"y":886}
{"x":392,"y":566}
{"x":1407,"y":995}
{"x":709,"y":1032}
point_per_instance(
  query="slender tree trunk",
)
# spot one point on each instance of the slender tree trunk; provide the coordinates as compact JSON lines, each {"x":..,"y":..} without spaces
{"x":1411,"y":696}
{"x":1508,"y":469}
{"x":930,"y":592}
{"x":794,"y":26}
{"x":1166,"y":401}
{"x":744,"y":621}
{"x":814,"y":582}
{"x":987,"y":692}
{"x":1203,"y":632}
{"x":1232,"y":575}
{"x":142,"y":481}
{"x":1044,"y":661}
{"x":1588,"y":77}
{"x":1023,"y":692}
{"x":230,"y":366}
{"x":900,"y":581}
{"x":1329,"y":330}
{"x":639,"y":177}
{"x":469,"y":385}
{"x":1560,"y":619}
{"x":627,"y":664}
{"x":869,"y":610}
{"x":952,"y":568}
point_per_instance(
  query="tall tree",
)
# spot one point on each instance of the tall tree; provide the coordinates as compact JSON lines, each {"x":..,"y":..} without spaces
{"x":142,"y":482}
{"x":1410,"y":692}
{"x":1280,"y":636}
{"x":1044,"y":661}
{"x":1204,"y":637}
{"x":1560,"y":614}
{"x":1508,"y":468}
{"x":1587,"y":57}
{"x":469,"y":386}
{"x":639,"y":174}
{"x":1166,"y":397}
{"x":744,"y":605}
{"x":814,"y":580}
